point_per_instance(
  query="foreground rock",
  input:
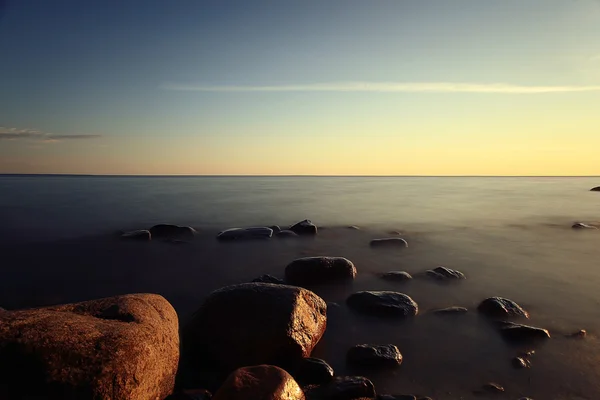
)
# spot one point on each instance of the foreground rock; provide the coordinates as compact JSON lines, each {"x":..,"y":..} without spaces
{"x":269,"y":279}
{"x":445,"y":274}
{"x":312,"y":371}
{"x":389,"y":242}
{"x":386,"y":355}
{"x":311,"y":270}
{"x":305,"y":227}
{"x":522,"y":333}
{"x":124,"y":347}
{"x":172,"y":232}
{"x":343,"y":388}
{"x":264,"y":382}
{"x":245,"y":233}
{"x":499,"y":307}
{"x":396,"y":276}
{"x":383,"y":303}
{"x":141,"y":235}
{"x":255,"y":323}
{"x":451,"y":311}
{"x":581,"y":225}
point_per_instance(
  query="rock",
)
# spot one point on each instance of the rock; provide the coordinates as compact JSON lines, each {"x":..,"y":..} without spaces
{"x":493,"y":388}
{"x":596,"y":189}
{"x":194,"y":394}
{"x":499,"y":307}
{"x":396,"y":276}
{"x":443,"y":273}
{"x":581,"y":225}
{"x":383,"y":303}
{"x":286,"y":234}
{"x":522,"y":333}
{"x":311,"y":270}
{"x":264,"y":382}
{"x":386,"y":355}
{"x":255,"y":323}
{"x":312,"y":371}
{"x":305,"y":227}
{"x":525,"y":398}
{"x":165,"y":231}
{"x":451,"y":311}
{"x":142,"y":235}
{"x":389,"y":242}
{"x":580,"y":334}
{"x":269,"y":279}
{"x":123,"y":347}
{"x":344,"y":388}
{"x":521,"y":363}
{"x":354,"y":227}
{"x":526,"y":354}
{"x":275,"y":228}
{"x":245,"y":233}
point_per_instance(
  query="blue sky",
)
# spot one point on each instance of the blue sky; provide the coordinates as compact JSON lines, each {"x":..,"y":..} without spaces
{"x":232,"y":86}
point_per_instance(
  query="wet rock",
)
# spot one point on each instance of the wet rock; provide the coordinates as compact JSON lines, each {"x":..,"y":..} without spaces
{"x":286,"y":234}
{"x":245,"y":233}
{"x":521,"y":363}
{"x":269,"y":279}
{"x":383,"y":303}
{"x":166,"y":231}
{"x":443,"y":273}
{"x":142,"y":235}
{"x":265,"y":382}
{"x":313,"y":371}
{"x":451,"y":311}
{"x":344,"y":388}
{"x":305,"y":227}
{"x":493,"y":388}
{"x":522,"y":333}
{"x":386,"y":355}
{"x":396,"y":276}
{"x":123,"y":347}
{"x":389,"y":242}
{"x":275,"y":228}
{"x":596,"y":189}
{"x":253,"y":324}
{"x":311,"y":270}
{"x":581,"y":225}
{"x":194,"y":394}
{"x":580,"y":334}
{"x":499,"y":307}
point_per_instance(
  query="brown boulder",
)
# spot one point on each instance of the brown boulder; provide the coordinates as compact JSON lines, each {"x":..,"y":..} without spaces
{"x":312,"y":270}
{"x":264,"y":382}
{"x":123,"y":347}
{"x":253,"y":324}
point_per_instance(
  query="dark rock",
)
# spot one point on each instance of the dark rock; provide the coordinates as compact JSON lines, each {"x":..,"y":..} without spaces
{"x":451,"y":311}
{"x":286,"y":234}
{"x":354,"y":227}
{"x":386,"y":355}
{"x":397,"y":276}
{"x":255,"y":323}
{"x":499,"y":307}
{"x":275,"y":228}
{"x":305,"y":227}
{"x":443,"y":273}
{"x":596,"y":189}
{"x":264,"y":382}
{"x":245,"y":233}
{"x":521,"y":363}
{"x":383,"y":303}
{"x":165,"y":231}
{"x":344,"y":388}
{"x":312,"y":371}
{"x":493,"y":388}
{"x":580,"y":334}
{"x":269,"y":279}
{"x":389,"y":242}
{"x":522,"y":333}
{"x":581,"y":225}
{"x":123,"y":347}
{"x":142,"y":235}
{"x":194,"y":394}
{"x":311,"y":270}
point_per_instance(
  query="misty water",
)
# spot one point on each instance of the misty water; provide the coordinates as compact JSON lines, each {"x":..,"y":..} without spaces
{"x":511,"y":237}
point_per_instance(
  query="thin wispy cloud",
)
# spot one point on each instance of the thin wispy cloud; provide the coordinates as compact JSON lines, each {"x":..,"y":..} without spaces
{"x":388,"y":87}
{"x":34,"y":134}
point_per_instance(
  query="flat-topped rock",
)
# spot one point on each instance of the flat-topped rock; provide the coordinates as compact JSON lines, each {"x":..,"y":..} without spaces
{"x":141,"y":235}
{"x":396,"y":276}
{"x":444,"y":274}
{"x":264,"y":382}
{"x":123,"y":347}
{"x":451,"y":311}
{"x":253,"y":324}
{"x":311,"y":270}
{"x":172,"y":232}
{"x":305,"y":227}
{"x":500,"y":307}
{"x":522,"y":333}
{"x":389,"y":242}
{"x":386,"y":303}
{"x":374,"y":355}
{"x":245,"y":233}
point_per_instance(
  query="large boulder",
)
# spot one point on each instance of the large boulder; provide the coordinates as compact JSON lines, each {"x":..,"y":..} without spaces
{"x":499,"y":307}
{"x":386,"y":355}
{"x":245,"y":233}
{"x":305,"y":227}
{"x":172,"y":232}
{"x":311,"y":270}
{"x":264,"y":382}
{"x":255,"y":323}
{"x":124,"y":347}
{"x":383,"y":303}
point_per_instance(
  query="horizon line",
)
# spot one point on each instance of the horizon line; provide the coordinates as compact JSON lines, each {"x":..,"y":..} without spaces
{"x":290,"y":176}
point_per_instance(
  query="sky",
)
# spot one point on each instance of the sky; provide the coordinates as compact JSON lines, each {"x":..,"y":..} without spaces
{"x":337,"y":87}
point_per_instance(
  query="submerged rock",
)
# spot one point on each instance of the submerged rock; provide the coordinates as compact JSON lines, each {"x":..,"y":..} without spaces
{"x":451,"y":311}
{"x":312,"y":371}
{"x":269,"y":279}
{"x":580,"y":334}
{"x":386,"y":355}
{"x":255,"y":323}
{"x":123,"y":347}
{"x":581,"y":225}
{"x":383,"y":303}
{"x":499,"y":307}
{"x":522,"y":333}
{"x":389,"y":242}
{"x":166,"y":231}
{"x":493,"y":388}
{"x":311,"y":270}
{"x":245,"y":233}
{"x":305,"y":227}
{"x":286,"y":234}
{"x":443,"y":273}
{"x":265,"y":382}
{"x":344,"y":388}
{"x":142,"y":235}
{"x":396,"y":276}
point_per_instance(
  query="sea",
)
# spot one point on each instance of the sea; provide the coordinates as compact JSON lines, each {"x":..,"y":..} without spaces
{"x":510,"y":236}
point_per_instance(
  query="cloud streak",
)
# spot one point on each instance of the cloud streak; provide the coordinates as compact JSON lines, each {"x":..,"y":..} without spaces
{"x":387,"y":87}
{"x":34,"y":134}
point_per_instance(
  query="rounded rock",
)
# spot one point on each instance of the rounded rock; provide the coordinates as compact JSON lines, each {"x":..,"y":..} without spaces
{"x":451,"y":311}
{"x":305,"y":227}
{"x":522,"y":333}
{"x":397,"y":276}
{"x":386,"y":355}
{"x":389,"y":242}
{"x":499,"y":307}
{"x":384,"y":303}
{"x":311,"y":270}
{"x":265,"y":382}
{"x":443,"y":273}
{"x":142,"y":235}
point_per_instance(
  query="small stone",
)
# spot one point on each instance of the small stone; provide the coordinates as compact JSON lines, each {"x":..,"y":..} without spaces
{"x":493,"y":388}
{"x":499,"y":307}
{"x":580,"y":334}
{"x":522,"y":333}
{"x":386,"y":355}
{"x":451,"y":311}
{"x":354,"y":227}
{"x":269,"y":279}
{"x":389,"y":242}
{"x":581,"y":225}
{"x":245,"y":233}
{"x":396,"y":276}
{"x":305,"y":227}
{"x":443,"y":273}
{"x":385,"y":303}
{"x":313,"y":371}
{"x":520,"y":363}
